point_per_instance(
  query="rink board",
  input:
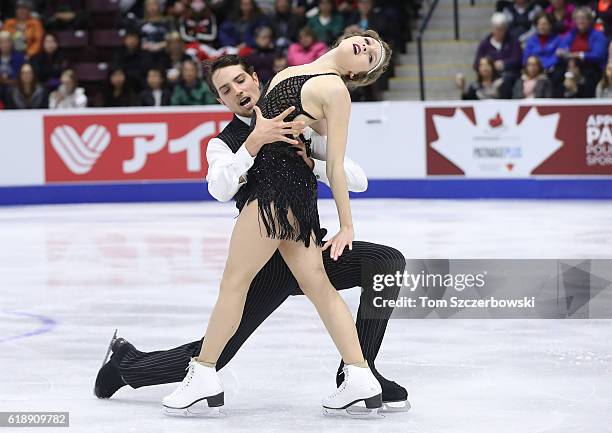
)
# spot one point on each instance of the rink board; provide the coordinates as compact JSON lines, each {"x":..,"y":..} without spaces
{"x":450,"y":149}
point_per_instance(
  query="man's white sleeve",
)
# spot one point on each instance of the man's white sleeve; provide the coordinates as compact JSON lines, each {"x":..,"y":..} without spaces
{"x":356,"y":179}
{"x":226,"y":169}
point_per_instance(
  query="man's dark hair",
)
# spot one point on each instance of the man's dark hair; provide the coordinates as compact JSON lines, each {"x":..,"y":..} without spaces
{"x":224,"y":62}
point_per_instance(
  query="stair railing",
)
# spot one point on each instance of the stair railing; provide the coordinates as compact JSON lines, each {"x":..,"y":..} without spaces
{"x":421,"y":33}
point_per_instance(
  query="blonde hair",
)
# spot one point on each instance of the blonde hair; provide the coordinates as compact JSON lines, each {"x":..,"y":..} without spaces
{"x":366,"y":78}
{"x":5,"y":35}
{"x":72,"y":75}
{"x":173,"y":36}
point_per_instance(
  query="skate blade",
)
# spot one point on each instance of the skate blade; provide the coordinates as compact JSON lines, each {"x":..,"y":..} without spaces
{"x":395,"y":406}
{"x":106,"y":356}
{"x":199,"y":409}
{"x":357,"y":410}
{"x":110,"y":346}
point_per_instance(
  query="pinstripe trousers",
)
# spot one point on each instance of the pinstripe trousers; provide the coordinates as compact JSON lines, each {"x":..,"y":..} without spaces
{"x":270,"y":288}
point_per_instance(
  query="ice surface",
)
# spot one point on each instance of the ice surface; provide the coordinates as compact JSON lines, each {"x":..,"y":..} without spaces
{"x":70,"y":274}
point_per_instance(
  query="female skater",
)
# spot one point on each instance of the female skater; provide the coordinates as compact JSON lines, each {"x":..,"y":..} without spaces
{"x":281,"y":196}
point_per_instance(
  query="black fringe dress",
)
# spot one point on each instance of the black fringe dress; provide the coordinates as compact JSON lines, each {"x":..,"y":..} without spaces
{"x":280,"y":179}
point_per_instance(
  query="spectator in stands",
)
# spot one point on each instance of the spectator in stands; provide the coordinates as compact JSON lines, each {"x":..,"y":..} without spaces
{"x":365,"y":17}
{"x":27,"y":32}
{"x":346,"y":8}
{"x":575,"y":84}
{"x":239,"y":30}
{"x":198,"y":24}
{"x":505,"y":51}
{"x":65,"y":15}
{"x":173,"y":57}
{"x":488,"y":82}
{"x":221,"y":8}
{"x":520,"y":15}
{"x":116,"y":92}
{"x":588,"y":45}
{"x":533,"y":83}
{"x":398,"y":13}
{"x":26,"y":93}
{"x":604,"y":88}
{"x":561,"y":11}
{"x":153,"y":30}
{"x":132,"y":60}
{"x":306,"y":50}
{"x":304,"y":7}
{"x":544,"y":43}
{"x":262,"y":57}
{"x":280,"y":63}
{"x":191,"y":90}
{"x":156,"y":94}
{"x":68,"y":94}
{"x":49,"y":63}
{"x":176,"y":8}
{"x":10,"y":60}
{"x":327,"y":24}
{"x":286,"y":24}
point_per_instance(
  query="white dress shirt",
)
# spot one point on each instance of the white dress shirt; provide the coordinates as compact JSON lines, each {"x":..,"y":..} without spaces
{"x":227,"y":170}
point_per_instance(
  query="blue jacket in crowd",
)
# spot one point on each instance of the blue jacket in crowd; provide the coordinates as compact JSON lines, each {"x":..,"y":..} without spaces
{"x":545,"y":53}
{"x":598,"y":47}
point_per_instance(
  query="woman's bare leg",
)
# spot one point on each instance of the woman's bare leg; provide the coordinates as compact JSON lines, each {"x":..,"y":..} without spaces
{"x":249,"y":251}
{"x":306,"y":264}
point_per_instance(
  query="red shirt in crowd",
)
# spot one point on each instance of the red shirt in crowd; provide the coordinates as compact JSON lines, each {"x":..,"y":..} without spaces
{"x":581,"y":43}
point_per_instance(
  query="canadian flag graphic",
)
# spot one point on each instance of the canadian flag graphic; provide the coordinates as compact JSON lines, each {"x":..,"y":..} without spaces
{"x":490,"y":141}
{"x":80,"y":152}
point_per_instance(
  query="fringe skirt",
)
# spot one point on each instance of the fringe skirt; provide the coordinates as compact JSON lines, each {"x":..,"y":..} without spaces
{"x":280,"y":181}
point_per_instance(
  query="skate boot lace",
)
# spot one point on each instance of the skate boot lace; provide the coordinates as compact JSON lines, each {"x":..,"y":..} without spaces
{"x":342,"y":386}
{"x":187,"y":380}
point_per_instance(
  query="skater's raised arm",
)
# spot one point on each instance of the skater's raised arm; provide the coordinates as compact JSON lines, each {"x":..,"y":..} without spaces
{"x":337,"y":110}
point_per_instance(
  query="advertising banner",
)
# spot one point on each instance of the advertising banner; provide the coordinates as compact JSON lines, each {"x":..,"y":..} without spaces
{"x":512,"y":140}
{"x":124,"y":147}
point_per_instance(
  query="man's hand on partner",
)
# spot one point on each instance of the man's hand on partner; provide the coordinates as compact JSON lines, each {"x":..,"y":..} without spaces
{"x":272,"y":130}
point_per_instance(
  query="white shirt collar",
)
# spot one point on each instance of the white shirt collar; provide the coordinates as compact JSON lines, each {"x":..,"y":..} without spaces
{"x":496,"y":45}
{"x":246,"y":120}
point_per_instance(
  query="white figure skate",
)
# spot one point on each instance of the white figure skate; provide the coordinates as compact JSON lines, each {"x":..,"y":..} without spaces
{"x":359,"y":395}
{"x":199,"y":394}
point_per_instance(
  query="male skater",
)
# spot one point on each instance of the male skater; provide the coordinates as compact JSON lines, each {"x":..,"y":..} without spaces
{"x":230,"y":155}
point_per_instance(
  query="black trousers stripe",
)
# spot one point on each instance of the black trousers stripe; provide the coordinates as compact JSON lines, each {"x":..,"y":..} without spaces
{"x":270,"y":288}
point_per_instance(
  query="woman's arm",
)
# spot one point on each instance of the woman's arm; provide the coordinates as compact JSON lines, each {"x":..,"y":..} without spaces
{"x":337,"y":109}
{"x":320,"y":127}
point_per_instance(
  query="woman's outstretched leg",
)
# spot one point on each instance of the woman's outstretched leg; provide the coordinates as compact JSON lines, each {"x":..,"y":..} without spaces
{"x":359,"y":384}
{"x":201,"y":391}
{"x":306,"y":265}
{"x":249,"y":251}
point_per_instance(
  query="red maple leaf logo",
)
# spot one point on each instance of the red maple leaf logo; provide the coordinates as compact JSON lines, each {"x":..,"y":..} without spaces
{"x":496,"y":122}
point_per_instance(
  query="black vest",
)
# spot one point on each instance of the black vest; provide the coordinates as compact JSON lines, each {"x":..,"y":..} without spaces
{"x":235,"y":134}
